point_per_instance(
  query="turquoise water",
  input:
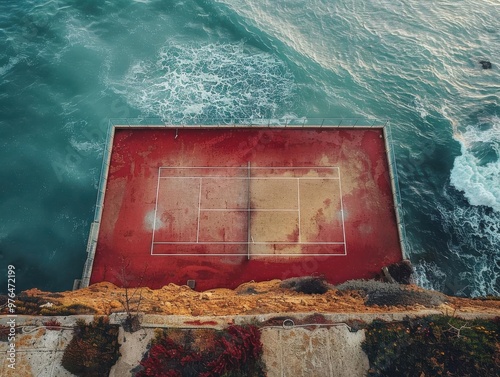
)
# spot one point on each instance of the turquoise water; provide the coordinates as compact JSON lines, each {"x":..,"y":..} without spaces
{"x":66,"y":67}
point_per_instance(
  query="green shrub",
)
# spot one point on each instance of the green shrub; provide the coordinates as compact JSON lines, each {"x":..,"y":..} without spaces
{"x":28,"y":305}
{"x":73,"y":309}
{"x":93,"y":350}
{"x":433,"y":346}
{"x":31,"y":305}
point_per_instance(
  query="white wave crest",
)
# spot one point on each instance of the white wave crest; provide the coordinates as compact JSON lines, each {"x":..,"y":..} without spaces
{"x":429,"y":276}
{"x":474,"y":244}
{"x":480,"y":183}
{"x":212,"y":81}
{"x":7,"y":67}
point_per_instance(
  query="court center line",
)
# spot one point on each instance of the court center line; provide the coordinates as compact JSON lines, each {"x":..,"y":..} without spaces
{"x":342,"y":213}
{"x":156,"y":211}
{"x":199,"y":214}
{"x":249,"y":216}
{"x":298,"y":204}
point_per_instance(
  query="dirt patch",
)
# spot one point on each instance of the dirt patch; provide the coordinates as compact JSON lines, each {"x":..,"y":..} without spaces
{"x":253,"y":298}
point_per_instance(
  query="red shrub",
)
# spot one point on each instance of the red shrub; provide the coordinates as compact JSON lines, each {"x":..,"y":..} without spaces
{"x":52,"y":324}
{"x":236,"y":351}
{"x":240,"y":346}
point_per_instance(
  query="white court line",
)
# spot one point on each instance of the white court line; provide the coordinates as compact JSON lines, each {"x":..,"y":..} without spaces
{"x":249,"y":216}
{"x":156,"y":211}
{"x":248,"y":210}
{"x":199,"y":214}
{"x":245,"y":242}
{"x":298,"y":204}
{"x":245,"y":178}
{"x":342,"y":212}
{"x":253,"y":167}
{"x":244,"y":255}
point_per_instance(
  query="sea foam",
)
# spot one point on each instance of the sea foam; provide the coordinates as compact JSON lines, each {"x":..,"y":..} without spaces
{"x":193,"y":83}
{"x":429,"y":276}
{"x":473,"y":256}
{"x":480,"y":183}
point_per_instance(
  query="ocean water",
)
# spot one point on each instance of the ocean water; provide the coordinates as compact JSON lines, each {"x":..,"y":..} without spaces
{"x":67,"y":66}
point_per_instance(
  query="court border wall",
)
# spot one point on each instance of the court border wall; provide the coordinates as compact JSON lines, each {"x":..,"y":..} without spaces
{"x":140,"y":123}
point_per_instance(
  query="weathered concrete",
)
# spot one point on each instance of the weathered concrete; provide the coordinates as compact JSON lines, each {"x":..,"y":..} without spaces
{"x":38,"y":353}
{"x":133,"y":347}
{"x":288,"y":350}
{"x":39,"y":350}
{"x":320,"y":352}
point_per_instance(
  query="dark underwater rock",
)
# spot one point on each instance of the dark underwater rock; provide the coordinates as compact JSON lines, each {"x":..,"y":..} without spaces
{"x":485,"y":64}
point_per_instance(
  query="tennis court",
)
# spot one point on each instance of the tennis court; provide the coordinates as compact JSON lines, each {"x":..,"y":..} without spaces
{"x":222,"y":206}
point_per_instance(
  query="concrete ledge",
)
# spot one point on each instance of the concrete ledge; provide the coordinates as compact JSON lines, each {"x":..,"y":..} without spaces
{"x":289,"y":350}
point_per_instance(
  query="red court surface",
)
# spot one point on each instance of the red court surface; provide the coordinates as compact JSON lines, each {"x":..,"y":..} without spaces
{"x":223,"y":206}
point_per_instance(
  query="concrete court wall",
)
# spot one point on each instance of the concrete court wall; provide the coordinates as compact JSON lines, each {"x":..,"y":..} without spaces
{"x":292,"y":351}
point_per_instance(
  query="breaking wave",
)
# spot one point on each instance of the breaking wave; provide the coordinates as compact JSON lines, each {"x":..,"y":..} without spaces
{"x":212,"y":81}
{"x":473,"y":256}
{"x":476,"y":172}
{"x":429,"y":276}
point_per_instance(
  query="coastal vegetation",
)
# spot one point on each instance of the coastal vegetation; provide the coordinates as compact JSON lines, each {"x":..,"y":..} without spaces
{"x":93,"y":350}
{"x":308,"y":284}
{"x":234,"y":352}
{"x":404,"y":346}
{"x":433,"y":346}
{"x":34,"y":305}
{"x":52,"y":324}
{"x":378,"y":293}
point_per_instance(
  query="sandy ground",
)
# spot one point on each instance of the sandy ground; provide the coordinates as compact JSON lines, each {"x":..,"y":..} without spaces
{"x":249,"y":298}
